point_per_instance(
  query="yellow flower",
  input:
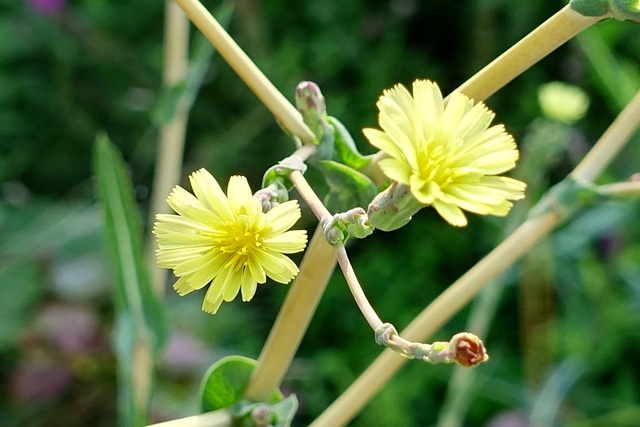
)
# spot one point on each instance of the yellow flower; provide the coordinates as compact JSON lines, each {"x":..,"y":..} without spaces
{"x":447,"y":155}
{"x":226,"y":240}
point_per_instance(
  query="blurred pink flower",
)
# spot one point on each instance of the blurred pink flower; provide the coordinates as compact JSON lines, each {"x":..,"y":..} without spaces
{"x":47,"y":7}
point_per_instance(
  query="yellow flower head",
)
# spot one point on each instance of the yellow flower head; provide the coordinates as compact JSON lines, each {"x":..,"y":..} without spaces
{"x":226,"y":240}
{"x":447,"y":155}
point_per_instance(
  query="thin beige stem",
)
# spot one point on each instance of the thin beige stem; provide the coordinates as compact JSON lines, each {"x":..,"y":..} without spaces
{"x":172,"y":134}
{"x":432,"y":318}
{"x":356,"y":290}
{"x":610,"y":143}
{"x":246,"y":69}
{"x":532,"y":48}
{"x":293,"y":318}
{"x":321,"y":213}
{"x":309,"y":196}
{"x":220,"y":418}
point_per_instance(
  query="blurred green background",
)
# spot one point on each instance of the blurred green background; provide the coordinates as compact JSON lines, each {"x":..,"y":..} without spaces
{"x":565,"y":337}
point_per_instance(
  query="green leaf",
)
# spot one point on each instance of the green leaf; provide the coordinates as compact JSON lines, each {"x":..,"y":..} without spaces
{"x":589,"y":7}
{"x":348,"y":188}
{"x":225,"y":381}
{"x":618,"y":9}
{"x":346,"y":148}
{"x":124,"y":237}
{"x":285,"y":410}
{"x":141,"y":324}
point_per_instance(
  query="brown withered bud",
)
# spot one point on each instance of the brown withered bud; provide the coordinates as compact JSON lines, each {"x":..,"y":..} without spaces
{"x":468,"y":349}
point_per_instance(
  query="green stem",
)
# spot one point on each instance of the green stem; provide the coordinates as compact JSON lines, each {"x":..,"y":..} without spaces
{"x":246,"y":69}
{"x":532,"y":48}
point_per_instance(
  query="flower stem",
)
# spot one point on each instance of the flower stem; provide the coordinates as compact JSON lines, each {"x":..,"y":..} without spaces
{"x":246,"y":69}
{"x":356,"y":290}
{"x":321,"y":213}
{"x":554,"y":32}
{"x":309,"y":196}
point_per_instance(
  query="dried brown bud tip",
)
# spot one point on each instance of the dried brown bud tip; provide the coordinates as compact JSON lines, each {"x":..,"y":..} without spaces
{"x":468,"y":349}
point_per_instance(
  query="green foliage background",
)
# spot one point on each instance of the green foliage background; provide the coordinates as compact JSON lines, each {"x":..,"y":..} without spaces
{"x":96,"y":66}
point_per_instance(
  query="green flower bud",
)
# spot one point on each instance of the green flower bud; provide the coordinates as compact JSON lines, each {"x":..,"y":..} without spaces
{"x":273,"y":195}
{"x":311,"y":104}
{"x":393,"y":208}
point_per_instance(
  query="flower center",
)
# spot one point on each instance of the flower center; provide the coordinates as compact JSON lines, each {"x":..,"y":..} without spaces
{"x":435,"y":163}
{"x":238,"y":240}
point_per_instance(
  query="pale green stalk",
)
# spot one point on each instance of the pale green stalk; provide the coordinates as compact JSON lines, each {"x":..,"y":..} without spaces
{"x":169,"y":160}
{"x":172,"y":134}
{"x":554,"y":32}
{"x":220,"y":418}
{"x":459,"y":293}
{"x":296,"y":311}
{"x":621,"y":189}
{"x":293,"y":319}
{"x":246,"y":69}
{"x":611,"y":142}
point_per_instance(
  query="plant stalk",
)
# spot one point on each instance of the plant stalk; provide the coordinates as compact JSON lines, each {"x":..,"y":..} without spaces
{"x":172,"y":134}
{"x":220,"y":418}
{"x":246,"y":69}
{"x":293,"y":319}
{"x":551,"y":34}
{"x":610,"y":143}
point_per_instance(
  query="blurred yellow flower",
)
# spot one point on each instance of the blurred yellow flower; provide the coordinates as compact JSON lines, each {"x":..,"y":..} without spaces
{"x":563,"y":102}
{"x":447,"y":155}
{"x":226,"y":240}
